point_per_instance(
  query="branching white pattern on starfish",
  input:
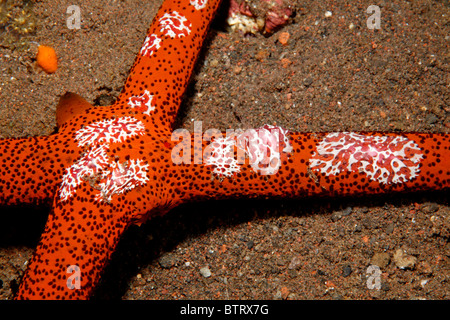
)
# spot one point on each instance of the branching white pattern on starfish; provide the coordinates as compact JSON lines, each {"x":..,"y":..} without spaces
{"x":221,"y":157}
{"x":110,"y":131}
{"x":142,"y":103}
{"x":198,"y":4}
{"x":95,"y":166}
{"x":175,"y":25}
{"x":121,"y":178}
{"x":151,"y":44}
{"x":262,"y":147}
{"x":91,"y":164}
{"x":386,"y":159}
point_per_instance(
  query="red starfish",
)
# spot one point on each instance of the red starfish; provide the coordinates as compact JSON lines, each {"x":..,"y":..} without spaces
{"x":110,"y":167}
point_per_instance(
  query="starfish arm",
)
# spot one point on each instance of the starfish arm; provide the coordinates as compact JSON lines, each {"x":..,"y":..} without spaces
{"x":30,"y":169}
{"x":74,"y":249}
{"x":316,"y":164}
{"x":163,"y":66}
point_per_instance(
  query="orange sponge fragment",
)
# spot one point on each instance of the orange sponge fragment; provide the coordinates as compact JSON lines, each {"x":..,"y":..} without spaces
{"x":46,"y":59}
